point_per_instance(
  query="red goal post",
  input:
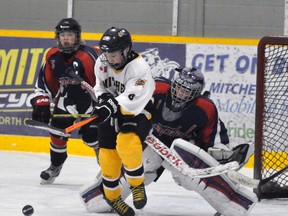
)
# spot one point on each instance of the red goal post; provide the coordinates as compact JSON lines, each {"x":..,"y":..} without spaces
{"x":271,"y":119}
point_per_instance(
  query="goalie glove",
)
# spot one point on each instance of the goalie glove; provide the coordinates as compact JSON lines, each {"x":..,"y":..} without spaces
{"x":240,"y":153}
{"x":41,"y":109}
{"x":108,"y":108}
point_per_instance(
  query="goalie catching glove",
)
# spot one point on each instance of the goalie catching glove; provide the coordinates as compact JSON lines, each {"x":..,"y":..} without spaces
{"x":240,"y":153}
{"x":108,"y":107}
{"x":41,"y":109}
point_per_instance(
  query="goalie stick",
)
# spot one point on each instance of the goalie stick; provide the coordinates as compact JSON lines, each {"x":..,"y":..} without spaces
{"x":165,"y":152}
{"x":253,"y":183}
{"x":182,"y":167}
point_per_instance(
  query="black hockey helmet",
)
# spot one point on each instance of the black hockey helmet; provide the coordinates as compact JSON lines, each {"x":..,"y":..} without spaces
{"x":116,"y":39}
{"x":70,"y":25}
{"x":187,"y":85}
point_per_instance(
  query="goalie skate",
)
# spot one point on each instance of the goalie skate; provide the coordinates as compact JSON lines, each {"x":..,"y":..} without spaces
{"x":48,"y":176}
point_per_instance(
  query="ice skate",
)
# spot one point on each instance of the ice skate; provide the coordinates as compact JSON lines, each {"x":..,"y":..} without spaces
{"x":48,"y":176}
{"x":121,"y":207}
{"x":139,"y":196}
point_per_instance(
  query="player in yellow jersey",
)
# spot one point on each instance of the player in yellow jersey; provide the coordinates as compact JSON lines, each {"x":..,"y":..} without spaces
{"x":124,"y":87}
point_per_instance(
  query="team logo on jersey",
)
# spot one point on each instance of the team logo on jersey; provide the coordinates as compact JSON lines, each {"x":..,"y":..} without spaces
{"x":140,"y":82}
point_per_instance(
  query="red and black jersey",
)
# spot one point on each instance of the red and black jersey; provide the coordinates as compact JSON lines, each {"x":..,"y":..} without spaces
{"x":198,"y":121}
{"x":52,"y":72}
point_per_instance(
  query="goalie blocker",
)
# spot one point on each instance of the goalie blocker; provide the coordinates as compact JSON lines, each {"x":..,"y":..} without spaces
{"x":226,"y":197}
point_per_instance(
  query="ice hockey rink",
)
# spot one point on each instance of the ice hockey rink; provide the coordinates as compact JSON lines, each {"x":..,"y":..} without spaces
{"x":19,"y":186}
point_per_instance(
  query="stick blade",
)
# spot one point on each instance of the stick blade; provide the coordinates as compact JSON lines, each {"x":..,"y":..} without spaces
{"x":46,"y":127}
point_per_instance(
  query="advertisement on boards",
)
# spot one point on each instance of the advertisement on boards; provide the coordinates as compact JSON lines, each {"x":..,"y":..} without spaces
{"x":230,"y":73}
{"x":229,"y":70}
{"x":21,"y":58}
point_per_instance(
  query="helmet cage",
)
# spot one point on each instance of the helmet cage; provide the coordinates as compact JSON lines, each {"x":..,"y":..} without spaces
{"x":68,"y":25}
{"x":187,"y":85}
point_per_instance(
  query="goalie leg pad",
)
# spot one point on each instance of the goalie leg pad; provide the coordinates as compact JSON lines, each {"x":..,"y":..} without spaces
{"x":217,"y":190}
{"x":92,"y":196}
{"x":151,"y":160}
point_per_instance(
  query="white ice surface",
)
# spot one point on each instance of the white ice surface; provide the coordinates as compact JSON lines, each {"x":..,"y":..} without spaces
{"x":19,"y":186}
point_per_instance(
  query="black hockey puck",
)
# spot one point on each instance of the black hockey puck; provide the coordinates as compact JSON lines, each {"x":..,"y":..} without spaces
{"x":27,"y":210}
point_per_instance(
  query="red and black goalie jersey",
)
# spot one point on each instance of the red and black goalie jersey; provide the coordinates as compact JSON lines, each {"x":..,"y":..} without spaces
{"x":197,"y":121}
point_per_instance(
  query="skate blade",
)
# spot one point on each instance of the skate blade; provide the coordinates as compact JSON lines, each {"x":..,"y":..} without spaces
{"x":47,"y":182}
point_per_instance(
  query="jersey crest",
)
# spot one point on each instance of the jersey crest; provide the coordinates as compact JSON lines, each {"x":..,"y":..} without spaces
{"x":140,"y":82}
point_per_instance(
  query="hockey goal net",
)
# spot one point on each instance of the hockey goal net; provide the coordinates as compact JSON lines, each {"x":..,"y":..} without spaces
{"x":271,"y":123}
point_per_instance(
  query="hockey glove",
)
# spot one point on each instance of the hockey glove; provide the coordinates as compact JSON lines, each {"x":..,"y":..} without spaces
{"x":106,"y":110}
{"x":105,"y":97}
{"x":240,"y":153}
{"x":41,"y":109}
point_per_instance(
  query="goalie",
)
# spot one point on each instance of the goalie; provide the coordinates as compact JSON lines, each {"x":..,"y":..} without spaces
{"x":180,"y":111}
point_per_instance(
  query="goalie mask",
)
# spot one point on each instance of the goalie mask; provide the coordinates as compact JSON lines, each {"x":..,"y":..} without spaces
{"x":187,"y":85}
{"x":116,"y":44}
{"x":68,"y":25}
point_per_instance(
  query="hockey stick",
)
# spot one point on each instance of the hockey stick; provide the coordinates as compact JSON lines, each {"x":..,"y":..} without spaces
{"x":46,"y":127}
{"x":173,"y":160}
{"x":57,"y":131}
{"x":71,"y":115}
{"x":253,"y":183}
{"x":79,"y":124}
{"x":180,"y":165}
{"x":83,"y":83}
{"x":228,"y":168}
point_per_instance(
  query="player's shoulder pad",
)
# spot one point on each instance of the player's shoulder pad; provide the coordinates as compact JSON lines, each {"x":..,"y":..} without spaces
{"x":162,"y":85}
{"x":205,"y":103}
{"x":52,"y":51}
{"x":89,"y":49}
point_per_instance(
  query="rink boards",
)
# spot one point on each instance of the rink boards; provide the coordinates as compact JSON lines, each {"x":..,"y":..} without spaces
{"x":229,"y":66}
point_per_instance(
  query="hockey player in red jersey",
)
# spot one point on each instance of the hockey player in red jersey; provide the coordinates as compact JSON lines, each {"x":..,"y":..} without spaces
{"x":54,"y":85}
{"x":124,"y":86}
{"x":180,"y":111}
